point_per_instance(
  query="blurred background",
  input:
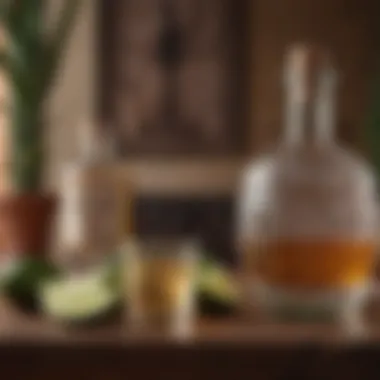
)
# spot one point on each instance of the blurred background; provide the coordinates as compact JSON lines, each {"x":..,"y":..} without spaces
{"x":191,"y":89}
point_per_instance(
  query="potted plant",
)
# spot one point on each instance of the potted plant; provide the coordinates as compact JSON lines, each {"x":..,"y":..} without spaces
{"x":30,"y":59}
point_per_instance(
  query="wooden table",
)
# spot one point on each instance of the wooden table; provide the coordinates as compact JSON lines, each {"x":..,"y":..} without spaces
{"x":235,"y":348}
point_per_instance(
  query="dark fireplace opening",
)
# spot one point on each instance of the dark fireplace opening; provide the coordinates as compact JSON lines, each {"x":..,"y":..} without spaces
{"x":209,"y":218}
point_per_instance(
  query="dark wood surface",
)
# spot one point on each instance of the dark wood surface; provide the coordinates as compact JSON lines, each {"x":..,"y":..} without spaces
{"x":234,"y":348}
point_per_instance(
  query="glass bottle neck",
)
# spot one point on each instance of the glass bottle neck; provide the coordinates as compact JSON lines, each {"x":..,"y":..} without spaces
{"x":309,"y":101}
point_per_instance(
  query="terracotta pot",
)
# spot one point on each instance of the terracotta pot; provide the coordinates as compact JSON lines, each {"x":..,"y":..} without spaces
{"x":25,"y":223}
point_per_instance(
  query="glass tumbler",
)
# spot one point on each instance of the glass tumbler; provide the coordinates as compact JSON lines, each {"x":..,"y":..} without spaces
{"x":159,"y":284}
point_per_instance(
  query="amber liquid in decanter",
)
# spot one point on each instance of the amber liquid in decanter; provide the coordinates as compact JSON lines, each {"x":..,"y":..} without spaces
{"x":310,"y":264}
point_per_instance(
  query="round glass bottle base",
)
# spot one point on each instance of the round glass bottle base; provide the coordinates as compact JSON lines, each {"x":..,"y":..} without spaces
{"x":332,"y":305}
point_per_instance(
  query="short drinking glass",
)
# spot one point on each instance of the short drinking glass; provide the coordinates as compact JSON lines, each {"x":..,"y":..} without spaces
{"x":159,"y":282}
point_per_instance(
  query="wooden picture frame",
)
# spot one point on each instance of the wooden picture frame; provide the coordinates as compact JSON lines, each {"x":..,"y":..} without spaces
{"x":172,"y":76}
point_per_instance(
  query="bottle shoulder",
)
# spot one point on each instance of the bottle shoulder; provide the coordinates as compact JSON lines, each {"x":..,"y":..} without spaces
{"x":320,"y":167}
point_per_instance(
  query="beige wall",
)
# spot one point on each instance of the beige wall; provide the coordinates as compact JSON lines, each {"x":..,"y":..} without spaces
{"x":4,"y":130}
{"x":73,"y":100}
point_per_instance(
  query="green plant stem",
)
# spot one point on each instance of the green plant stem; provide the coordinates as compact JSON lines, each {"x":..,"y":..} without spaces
{"x":27,"y":155}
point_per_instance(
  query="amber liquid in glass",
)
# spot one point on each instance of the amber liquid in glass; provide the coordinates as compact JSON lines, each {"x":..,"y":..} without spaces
{"x":164,"y":284}
{"x":310,"y":264}
{"x":160,"y":290}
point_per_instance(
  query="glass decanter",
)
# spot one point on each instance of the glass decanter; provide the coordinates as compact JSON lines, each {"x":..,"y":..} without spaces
{"x":307,"y":219}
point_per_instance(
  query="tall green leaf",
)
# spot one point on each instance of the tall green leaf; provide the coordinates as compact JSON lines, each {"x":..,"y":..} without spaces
{"x":4,"y":11}
{"x":17,"y":76}
{"x":21,"y":21}
{"x":30,"y":59}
